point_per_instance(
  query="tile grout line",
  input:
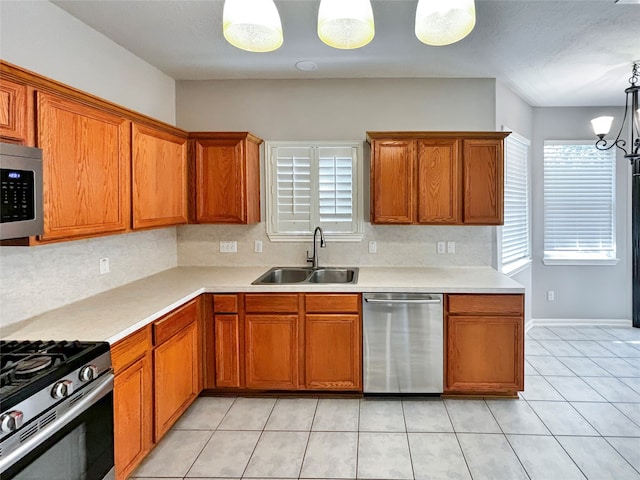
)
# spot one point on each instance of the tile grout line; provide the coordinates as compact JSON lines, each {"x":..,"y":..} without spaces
{"x":406,"y":436}
{"x":466,"y":462}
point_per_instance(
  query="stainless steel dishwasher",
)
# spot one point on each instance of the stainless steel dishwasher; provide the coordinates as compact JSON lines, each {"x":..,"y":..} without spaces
{"x":403,"y":343}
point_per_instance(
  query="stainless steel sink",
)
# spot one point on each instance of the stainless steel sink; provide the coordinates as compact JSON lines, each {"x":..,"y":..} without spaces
{"x":332,"y":275}
{"x":294,"y":275}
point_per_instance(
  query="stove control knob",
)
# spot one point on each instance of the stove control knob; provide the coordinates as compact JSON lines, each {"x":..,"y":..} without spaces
{"x":11,"y":421}
{"x":88,"y":373}
{"x":62,"y":389}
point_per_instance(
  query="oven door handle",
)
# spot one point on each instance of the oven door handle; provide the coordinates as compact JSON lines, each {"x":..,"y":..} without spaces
{"x":101,"y":389}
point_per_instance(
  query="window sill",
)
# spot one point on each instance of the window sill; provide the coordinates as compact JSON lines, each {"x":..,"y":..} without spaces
{"x":329,"y":237}
{"x":581,"y":261}
{"x":516,"y":267}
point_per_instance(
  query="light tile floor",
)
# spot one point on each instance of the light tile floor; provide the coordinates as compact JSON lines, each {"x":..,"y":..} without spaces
{"x":579,"y":417}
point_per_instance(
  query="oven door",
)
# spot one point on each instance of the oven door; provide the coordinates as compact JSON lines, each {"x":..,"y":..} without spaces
{"x":78,"y":445}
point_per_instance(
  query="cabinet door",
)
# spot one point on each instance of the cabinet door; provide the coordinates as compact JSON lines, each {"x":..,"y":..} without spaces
{"x":485,"y":354}
{"x":228,"y":347}
{"x":159,"y":169}
{"x":220,"y":181}
{"x":439,"y":181}
{"x":86,"y":161}
{"x":133,"y":422}
{"x":13,"y":111}
{"x":332,"y":352}
{"x":483,"y":172}
{"x":176,"y":375}
{"x":271,"y":352}
{"x":392,"y":181}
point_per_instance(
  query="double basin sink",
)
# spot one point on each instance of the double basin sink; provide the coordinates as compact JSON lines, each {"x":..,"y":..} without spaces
{"x":293,"y":275}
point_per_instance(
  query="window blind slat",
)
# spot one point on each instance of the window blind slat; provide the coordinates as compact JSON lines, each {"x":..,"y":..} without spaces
{"x":579,"y":194}
{"x":515,"y":232}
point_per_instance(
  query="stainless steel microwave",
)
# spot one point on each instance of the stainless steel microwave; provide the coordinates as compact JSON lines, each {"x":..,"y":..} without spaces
{"x":21,"y":193}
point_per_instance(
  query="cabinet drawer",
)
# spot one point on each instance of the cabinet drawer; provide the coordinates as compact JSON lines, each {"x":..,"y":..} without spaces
{"x":282,"y":303}
{"x":130,"y":348}
{"x":490,"y":304}
{"x":225,"y":304}
{"x":175,"y":321}
{"x":330,"y":303}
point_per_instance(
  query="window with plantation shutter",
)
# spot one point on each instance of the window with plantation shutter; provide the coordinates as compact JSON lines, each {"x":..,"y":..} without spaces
{"x":313,"y":184}
{"x":579,"y":203}
{"x":515,"y":239}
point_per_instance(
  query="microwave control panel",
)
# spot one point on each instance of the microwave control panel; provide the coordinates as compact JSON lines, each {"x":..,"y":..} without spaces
{"x":17,"y":195}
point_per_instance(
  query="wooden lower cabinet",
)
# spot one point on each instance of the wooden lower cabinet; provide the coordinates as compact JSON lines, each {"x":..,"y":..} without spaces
{"x":332,"y":352}
{"x":132,"y":401}
{"x":133,"y":411}
{"x":284,"y":341}
{"x":271,"y":352}
{"x":484,"y":351}
{"x":177,"y":377}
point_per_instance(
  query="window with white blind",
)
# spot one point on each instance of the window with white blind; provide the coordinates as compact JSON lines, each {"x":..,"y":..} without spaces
{"x":515,"y":239}
{"x":579,"y":204}
{"x":313,"y":184}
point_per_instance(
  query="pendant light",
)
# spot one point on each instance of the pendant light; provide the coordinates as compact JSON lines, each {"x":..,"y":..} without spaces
{"x":345,"y":24}
{"x":443,"y":22}
{"x":252,"y":25}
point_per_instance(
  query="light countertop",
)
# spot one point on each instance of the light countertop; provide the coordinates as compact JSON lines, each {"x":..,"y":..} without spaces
{"x":112,"y":315}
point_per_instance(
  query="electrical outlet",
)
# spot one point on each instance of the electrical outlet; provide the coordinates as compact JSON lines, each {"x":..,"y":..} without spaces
{"x":451,"y":247}
{"x":104,"y":266}
{"x":551,"y":295}
{"x":229,"y":247}
{"x":373,"y":247}
{"x":441,"y":247}
{"x":258,"y":246}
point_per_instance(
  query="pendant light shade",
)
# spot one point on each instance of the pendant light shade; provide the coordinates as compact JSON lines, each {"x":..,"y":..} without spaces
{"x":252,"y":25}
{"x":443,"y":22}
{"x":345,"y":24}
{"x":602,"y":125}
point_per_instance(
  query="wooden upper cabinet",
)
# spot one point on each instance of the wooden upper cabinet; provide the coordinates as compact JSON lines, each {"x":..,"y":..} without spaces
{"x":392,"y":177}
{"x":159,"y":170}
{"x":439,"y":181}
{"x":483,"y":167}
{"x":13,"y":111}
{"x":437,"y":178}
{"x":227,"y":177}
{"x":86,"y":160}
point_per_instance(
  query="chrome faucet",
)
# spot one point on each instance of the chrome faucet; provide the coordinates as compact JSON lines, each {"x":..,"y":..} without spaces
{"x":314,"y":259}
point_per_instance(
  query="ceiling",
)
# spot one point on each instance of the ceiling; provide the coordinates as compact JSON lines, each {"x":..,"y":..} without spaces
{"x":552,"y":53}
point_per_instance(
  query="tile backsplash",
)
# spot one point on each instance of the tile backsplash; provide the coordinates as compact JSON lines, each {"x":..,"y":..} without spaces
{"x":36,"y":279}
{"x":396,"y":246}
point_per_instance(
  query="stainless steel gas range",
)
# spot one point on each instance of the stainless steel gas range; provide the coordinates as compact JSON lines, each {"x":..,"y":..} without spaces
{"x":56,"y":411}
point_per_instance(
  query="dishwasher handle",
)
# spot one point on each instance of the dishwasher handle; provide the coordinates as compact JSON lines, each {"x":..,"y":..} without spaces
{"x":403,"y":301}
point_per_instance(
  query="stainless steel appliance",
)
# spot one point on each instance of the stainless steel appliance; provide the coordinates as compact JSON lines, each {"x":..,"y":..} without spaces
{"x":56,"y":411}
{"x":403,"y":343}
{"x":21,"y":193}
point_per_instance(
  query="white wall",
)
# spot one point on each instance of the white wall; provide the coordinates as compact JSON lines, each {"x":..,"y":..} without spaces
{"x":581,"y":292}
{"x":342,"y":109}
{"x":43,"y":38}
{"x":517,"y":115}
{"x":39,"y":36}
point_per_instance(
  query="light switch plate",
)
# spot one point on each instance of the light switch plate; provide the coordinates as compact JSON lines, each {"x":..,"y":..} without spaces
{"x":228,"y":246}
{"x":373,"y":247}
{"x":451,"y":247}
{"x":258,"y":246}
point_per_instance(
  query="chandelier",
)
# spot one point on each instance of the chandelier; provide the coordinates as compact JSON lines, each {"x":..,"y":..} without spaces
{"x":255,"y":26}
{"x":602,"y":125}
